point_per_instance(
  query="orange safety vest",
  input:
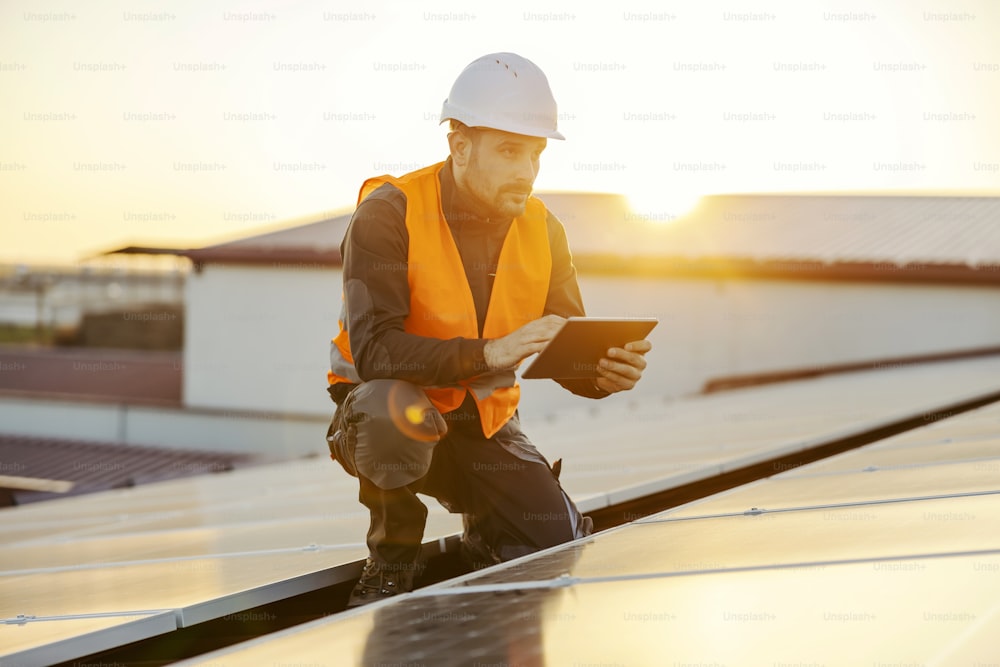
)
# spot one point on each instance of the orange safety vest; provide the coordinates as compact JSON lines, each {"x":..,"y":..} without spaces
{"x":441,"y":304}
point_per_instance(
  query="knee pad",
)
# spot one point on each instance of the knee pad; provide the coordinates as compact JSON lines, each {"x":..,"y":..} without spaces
{"x":387,"y":431}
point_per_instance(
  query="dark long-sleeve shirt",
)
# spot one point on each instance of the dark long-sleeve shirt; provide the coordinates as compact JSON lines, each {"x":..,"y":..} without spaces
{"x":375,"y":252}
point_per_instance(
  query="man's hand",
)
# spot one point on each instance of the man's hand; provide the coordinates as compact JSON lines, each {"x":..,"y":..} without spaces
{"x":623,"y":367}
{"x":507,"y":352}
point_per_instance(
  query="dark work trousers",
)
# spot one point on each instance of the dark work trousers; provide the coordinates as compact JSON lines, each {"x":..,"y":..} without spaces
{"x":511,"y":500}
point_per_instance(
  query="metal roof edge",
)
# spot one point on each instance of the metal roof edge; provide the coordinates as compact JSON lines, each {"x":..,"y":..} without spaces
{"x":661,"y":266}
{"x":287,"y":257}
{"x":716,"y":268}
{"x":88,"y":399}
{"x":723,"y":383}
{"x":125,"y":402}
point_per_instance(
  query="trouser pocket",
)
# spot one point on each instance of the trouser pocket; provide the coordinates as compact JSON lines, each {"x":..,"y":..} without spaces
{"x":341,"y":438}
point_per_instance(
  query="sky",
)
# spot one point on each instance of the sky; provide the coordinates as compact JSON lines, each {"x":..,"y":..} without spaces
{"x":185,"y":123}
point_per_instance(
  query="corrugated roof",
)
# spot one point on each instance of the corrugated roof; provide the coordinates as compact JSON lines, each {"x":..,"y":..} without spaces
{"x":830,"y":228}
{"x":86,"y":467}
{"x":312,"y":243}
{"x":860,"y":237}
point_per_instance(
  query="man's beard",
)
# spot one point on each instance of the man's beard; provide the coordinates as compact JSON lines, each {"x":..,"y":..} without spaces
{"x":507,"y":205}
{"x":502,"y":206}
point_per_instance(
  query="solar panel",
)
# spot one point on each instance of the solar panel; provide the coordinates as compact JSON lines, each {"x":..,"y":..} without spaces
{"x":803,"y":615}
{"x":869,"y":532}
{"x":206,"y":547}
{"x":836,"y":490}
{"x":199,"y":548}
{"x":48,"y":640}
{"x":843,"y":566}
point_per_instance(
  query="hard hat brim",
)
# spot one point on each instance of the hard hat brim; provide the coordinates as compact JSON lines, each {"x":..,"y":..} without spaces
{"x":469,"y":119}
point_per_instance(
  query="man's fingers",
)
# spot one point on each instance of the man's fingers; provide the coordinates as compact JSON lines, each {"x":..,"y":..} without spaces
{"x":622,"y":368}
{"x":614,"y":382}
{"x":541,"y":330}
{"x":639,"y":346}
{"x":551,"y":327}
{"x":631,"y":358}
{"x":538,"y":338}
{"x":617,"y":368}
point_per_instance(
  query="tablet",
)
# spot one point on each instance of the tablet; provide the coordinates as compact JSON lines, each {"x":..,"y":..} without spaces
{"x":582,"y":342}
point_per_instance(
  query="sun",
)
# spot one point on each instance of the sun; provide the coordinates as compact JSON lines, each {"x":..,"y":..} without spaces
{"x":660,"y":206}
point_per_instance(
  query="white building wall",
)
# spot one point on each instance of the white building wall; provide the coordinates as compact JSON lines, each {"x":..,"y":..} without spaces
{"x":257,"y":338}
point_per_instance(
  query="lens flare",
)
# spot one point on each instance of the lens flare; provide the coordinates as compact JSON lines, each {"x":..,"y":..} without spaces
{"x":412,"y":415}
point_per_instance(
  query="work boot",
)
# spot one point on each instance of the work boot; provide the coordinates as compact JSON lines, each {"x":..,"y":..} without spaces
{"x":473,"y":549}
{"x":380,"y":581}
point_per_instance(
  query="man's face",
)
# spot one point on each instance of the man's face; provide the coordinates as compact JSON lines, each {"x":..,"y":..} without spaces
{"x":501,"y":170}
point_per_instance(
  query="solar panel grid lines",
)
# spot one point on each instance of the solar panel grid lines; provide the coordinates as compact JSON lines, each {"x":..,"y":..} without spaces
{"x":983,"y":454}
{"x":878,"y":485}
{"x":741,"y":541}
{"x":223,"y":559}
{"x":215,"y":500}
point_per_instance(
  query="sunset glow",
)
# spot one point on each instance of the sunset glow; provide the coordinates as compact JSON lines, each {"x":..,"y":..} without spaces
{"x":177,"y":126}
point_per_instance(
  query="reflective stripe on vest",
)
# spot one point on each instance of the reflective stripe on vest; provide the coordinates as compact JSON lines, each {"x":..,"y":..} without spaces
{"x":341,"y":362}
{"x":441,"y":303}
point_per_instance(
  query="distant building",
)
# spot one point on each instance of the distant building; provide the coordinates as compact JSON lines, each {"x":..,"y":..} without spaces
{"x":59,"y":297}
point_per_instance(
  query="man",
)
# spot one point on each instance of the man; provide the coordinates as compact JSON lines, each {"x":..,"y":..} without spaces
{"x":453,"y":274}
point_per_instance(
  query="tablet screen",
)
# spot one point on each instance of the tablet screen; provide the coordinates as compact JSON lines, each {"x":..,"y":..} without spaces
{"x":582,"y":342}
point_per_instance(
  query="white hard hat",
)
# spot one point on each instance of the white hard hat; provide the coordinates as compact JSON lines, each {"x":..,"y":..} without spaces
{"x":503,"y":91}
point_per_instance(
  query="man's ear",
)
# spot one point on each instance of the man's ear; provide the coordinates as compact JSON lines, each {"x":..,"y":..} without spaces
{"x":461,"y":147}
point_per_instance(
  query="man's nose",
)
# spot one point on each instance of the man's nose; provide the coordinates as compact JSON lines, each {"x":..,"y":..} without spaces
{"x":527,"y":170}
